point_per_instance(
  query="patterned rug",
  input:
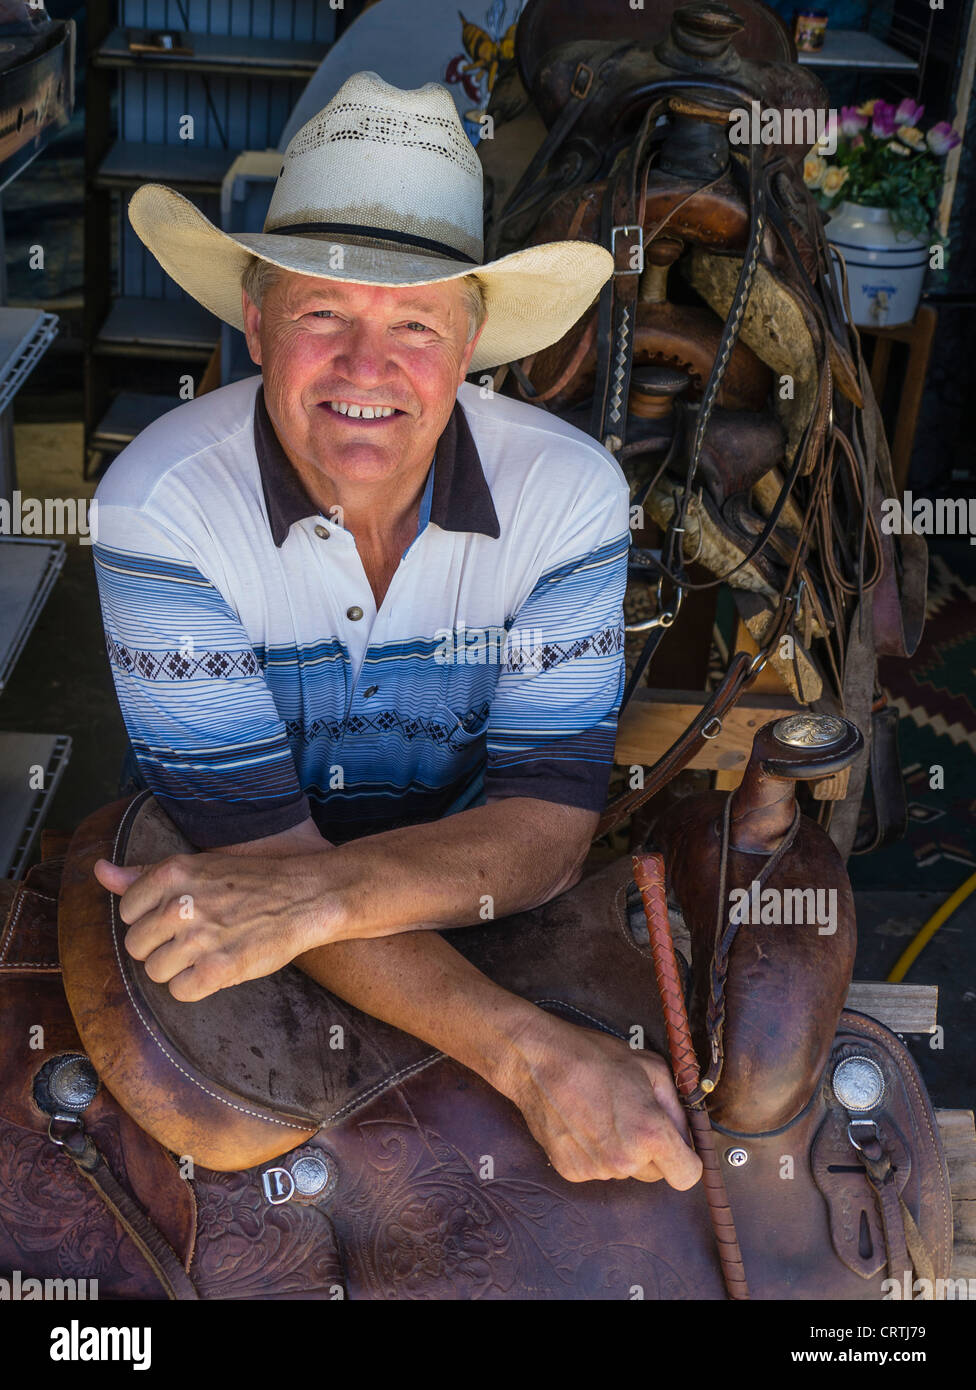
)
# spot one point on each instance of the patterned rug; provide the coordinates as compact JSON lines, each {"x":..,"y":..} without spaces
{"x":935,"y":694}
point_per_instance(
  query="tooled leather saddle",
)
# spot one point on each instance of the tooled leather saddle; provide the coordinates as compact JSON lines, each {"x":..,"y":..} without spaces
{"x":271,"y":1141}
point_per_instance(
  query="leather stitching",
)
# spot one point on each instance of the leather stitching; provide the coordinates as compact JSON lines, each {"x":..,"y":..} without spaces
{"x":11,"y":927}
{"x":921,"y":1108}
{"x":243,"y":1109}
{"x":377,"y":1089}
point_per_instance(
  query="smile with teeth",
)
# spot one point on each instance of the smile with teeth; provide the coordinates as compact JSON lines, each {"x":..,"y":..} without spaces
{"x":363,"y":412}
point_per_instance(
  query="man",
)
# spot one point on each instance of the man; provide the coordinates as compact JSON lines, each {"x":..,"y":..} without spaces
{"x":291,"y":569}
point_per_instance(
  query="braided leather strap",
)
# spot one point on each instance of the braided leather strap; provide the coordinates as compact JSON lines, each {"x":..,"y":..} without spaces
{"x":649,"y":877}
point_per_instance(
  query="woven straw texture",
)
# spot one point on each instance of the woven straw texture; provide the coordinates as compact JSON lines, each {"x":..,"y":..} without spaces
{"x":381,"y":158}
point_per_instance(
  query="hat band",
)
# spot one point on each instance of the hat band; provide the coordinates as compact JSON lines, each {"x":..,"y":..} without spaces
{"x":381,"y":233}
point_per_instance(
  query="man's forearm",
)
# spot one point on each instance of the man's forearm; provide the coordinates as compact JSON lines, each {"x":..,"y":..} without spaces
{"x":478,"y":865}
{"x":417,"y":982}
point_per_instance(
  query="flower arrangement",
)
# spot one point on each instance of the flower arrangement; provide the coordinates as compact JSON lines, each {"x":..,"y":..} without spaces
{"x":884,"y":160}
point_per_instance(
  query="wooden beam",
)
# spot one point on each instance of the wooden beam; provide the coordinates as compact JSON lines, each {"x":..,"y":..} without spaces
{"x":902,"y":1008}
{"x":655,"y":718}
{"x":959,"y":1142}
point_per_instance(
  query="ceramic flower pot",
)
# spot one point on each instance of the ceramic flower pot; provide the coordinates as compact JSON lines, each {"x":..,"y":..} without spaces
{"x":885,"y":268}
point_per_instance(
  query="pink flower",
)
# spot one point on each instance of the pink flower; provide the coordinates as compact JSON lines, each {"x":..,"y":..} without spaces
{"x":858,"y":142}
{"x":883,"y":120}
{"x":852,"y":122}
{"x":942,"y":138}
{"x":909,"y":113}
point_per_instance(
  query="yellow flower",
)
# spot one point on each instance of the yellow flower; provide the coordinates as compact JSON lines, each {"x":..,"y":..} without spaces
{"x":867,"y":108}
{"x":814,"y":169}
{"x":911,"y":135}
{"x":834,"y":180}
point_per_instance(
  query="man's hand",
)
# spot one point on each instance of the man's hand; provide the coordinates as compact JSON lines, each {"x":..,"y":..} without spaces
{"x":202,"y":922}
{"x":599,"y":1109}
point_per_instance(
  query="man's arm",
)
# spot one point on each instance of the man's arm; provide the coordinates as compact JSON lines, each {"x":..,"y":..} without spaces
{"x":255,"y":912}
{"x":597,"y":1108}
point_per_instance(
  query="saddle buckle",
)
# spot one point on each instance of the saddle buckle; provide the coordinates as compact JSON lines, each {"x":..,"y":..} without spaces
{"x":628,"y":227}
{"x":582,"y":81}
{"x":279,"y":1185}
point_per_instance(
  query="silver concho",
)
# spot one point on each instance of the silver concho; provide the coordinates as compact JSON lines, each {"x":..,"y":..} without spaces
{"x":312,"y":1175}
{"x":809,"y":730}
{"x":73,"y":1082}
{"x":858,"y":1083}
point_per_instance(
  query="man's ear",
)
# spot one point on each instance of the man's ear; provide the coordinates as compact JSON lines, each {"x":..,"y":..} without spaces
{"x":469,"y":353}
{"x":252,"y":327}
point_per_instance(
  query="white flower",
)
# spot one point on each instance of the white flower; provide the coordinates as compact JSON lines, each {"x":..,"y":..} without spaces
{"x":834,"y":180}
{"x":814,"y":170}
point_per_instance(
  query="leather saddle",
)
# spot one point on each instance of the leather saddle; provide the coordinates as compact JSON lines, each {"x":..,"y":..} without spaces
{"x":272,"y":1141}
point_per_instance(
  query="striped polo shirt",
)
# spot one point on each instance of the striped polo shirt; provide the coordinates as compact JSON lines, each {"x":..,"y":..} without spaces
{"x":259,"y":683}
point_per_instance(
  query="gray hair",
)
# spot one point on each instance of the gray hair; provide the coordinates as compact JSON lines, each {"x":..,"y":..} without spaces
{"x":259,"y":276}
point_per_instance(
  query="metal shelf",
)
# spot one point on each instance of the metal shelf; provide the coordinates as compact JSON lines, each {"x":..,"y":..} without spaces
{"x":25,"y":335}
{"x":130,"y":163}
{"x":22,"y":808}
{"x":28,"y":568}
{"x":129,"y":413}
{"x":852,"y":48}
{"x":136,"y":326}
{"x":220,"y":53}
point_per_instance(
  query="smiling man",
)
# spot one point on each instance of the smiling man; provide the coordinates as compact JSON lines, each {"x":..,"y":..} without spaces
{"x":365,"y":619}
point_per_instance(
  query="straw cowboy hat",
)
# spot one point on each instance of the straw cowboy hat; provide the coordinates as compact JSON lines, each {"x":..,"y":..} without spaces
{"x":382,"y":187}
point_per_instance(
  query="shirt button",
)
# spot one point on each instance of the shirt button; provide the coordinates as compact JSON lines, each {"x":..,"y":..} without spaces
{"x":370,"y":691}
{"x":322,"y":532}
{"x":354,"y":614}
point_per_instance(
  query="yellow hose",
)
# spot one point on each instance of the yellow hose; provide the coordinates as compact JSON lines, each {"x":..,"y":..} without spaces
{"x":918,"y":943}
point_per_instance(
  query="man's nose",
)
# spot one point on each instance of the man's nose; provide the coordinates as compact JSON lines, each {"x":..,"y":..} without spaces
{"x":363,"y":354}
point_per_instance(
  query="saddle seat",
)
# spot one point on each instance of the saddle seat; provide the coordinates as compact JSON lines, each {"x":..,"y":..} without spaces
{"x":242,"y":1076}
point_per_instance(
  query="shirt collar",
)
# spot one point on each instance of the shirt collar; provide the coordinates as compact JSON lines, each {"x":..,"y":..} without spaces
{"x":460,"y":499}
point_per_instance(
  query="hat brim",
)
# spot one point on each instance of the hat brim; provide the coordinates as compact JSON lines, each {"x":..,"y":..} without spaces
{"x":533,"y":296}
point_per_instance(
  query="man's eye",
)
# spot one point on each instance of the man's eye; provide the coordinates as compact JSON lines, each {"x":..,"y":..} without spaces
{"x":320,"y":313}
{"x":422,"y":326}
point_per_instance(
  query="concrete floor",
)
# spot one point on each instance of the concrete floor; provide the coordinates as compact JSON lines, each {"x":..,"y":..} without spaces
{"x":62,"y":684}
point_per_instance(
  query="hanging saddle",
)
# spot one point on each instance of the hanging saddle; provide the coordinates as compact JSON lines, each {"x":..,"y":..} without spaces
{"x":271,"y":1141}
{"x":718,"y":363}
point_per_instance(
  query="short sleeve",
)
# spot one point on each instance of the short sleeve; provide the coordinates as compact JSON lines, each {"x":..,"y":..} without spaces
{"x":200,"y":716}
{"x":553,"y":720}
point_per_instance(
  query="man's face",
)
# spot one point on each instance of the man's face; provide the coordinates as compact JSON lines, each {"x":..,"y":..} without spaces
{"x":321,"y":341}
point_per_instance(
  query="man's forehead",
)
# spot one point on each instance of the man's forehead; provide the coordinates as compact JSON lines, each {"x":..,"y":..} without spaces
{"x":440,"y":298}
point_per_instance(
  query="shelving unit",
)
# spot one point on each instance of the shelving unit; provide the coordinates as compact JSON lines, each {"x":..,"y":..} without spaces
{"x":25,"y":335}
{"x":233,"y":92}
{"x":24,"y":808}
{"x":29,"y":565}
{"x":851,"y":48}
{"x":36,"y":83}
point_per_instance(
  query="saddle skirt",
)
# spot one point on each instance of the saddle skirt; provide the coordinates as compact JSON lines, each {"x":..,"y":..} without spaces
{"x":287,"y":1145}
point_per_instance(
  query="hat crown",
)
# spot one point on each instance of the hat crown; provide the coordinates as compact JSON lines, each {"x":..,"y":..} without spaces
{"x":388,"y":160}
